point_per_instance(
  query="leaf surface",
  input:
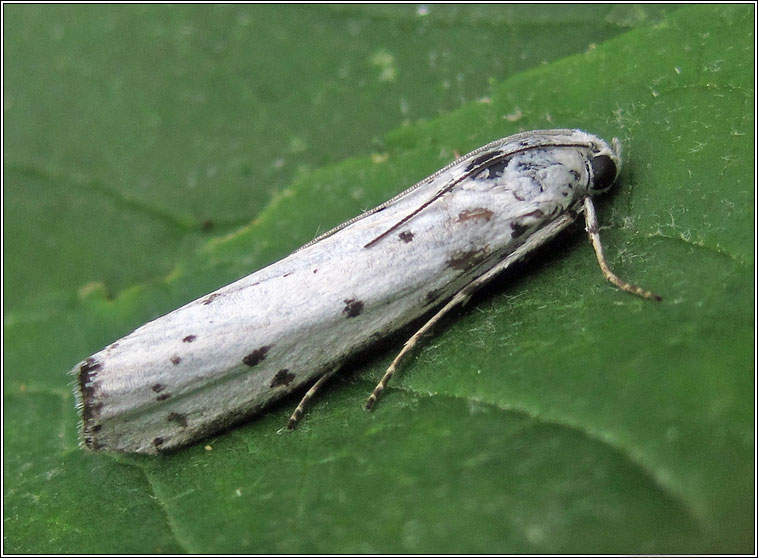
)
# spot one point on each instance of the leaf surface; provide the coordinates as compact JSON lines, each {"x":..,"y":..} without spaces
{"x":553,"y":414}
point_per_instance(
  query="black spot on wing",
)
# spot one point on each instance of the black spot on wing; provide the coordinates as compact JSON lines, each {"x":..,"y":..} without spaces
{"x":432,"y":296}
{"x":178,"y":418}
{"x":481,"y":159}
{"x":518,"y":228}
{"x":496,"y":169}
{"x":256,"y":356}
{"x":88,"y":366}
{"x":90,"y":442}
{"x":189,"y":338}
{"x":352,"y":308}
{"x":157,"y":388}
{"x":526,"y":166}
{"x":282,"y":378}
{"x":88,"y":387}
{"x":466,"y":259}
{"x":211,"y":297}
{"x":176,"y":359}
{"x":406,"y":236}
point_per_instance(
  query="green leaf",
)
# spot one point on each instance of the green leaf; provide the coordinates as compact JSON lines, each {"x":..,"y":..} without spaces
{"x":553,"y":414}
{"x":138,"y":131}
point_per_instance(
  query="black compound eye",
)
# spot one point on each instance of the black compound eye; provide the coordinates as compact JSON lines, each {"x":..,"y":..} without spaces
{"x":603,"y":172}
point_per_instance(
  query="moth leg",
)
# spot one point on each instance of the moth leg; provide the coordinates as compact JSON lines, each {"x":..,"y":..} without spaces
{"x":461,"y":297}
{"x":300,"y":409}
{"x":593,"y":228}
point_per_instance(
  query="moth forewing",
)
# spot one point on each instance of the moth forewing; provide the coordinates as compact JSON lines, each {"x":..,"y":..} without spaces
{"x":231,"y":353}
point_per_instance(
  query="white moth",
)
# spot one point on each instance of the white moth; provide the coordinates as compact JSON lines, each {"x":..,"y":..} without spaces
{"x":229,"y":354}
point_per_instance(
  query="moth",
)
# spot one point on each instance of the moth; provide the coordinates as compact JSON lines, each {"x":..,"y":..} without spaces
{"x":231,"y":353}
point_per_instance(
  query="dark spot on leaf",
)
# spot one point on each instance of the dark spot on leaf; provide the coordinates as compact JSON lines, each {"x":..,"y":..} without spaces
{"x":163,"y":396}
{"x":282,"y":378}
{"x":353,"y":307}
{"x":256,"y":356}
{"x":157,"y":442}
{"x":157,"y":388}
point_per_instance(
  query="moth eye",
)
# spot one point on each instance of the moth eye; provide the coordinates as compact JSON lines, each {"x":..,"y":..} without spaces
{"x":603,"y":173}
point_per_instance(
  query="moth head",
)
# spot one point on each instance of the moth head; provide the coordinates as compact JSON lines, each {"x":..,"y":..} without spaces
{"x":604,"y":165}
